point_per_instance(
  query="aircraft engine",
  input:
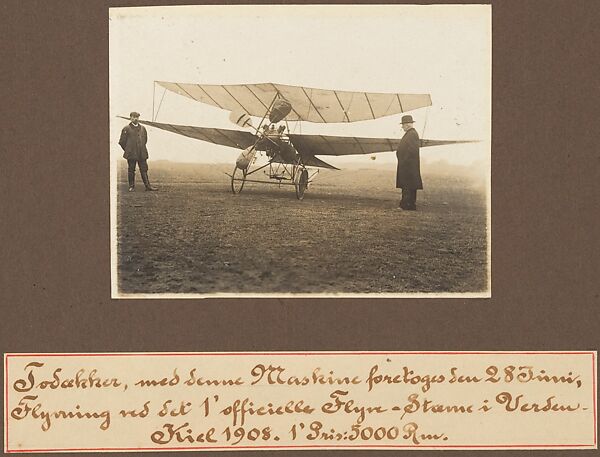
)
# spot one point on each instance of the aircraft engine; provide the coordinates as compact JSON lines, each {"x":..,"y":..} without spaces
{"x":244,"y":159}
{"x":280,"y":109}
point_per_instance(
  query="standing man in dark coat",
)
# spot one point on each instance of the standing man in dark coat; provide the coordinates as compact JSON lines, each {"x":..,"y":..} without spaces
{"x":133,"y":141}
{"x":408,"y":173}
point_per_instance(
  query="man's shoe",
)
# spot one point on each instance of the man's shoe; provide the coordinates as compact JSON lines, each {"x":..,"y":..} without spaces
{"x":131,"y":189}
{"x":149,"y":186}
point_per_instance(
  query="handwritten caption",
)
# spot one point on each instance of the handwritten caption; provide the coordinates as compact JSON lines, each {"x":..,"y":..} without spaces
{"x":297,"y":400}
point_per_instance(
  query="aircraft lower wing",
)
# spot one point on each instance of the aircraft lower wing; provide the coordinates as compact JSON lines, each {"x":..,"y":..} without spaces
{"x":233,"y":138}
{"x":344,"y":145}
{"x":426,"y":143}
{"x":308,"y":146}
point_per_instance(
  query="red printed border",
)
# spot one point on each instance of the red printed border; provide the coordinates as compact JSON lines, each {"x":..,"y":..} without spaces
{"x":322,"y":447}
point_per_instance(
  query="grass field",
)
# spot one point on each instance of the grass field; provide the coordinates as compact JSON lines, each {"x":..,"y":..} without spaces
{"x":346,"y":236}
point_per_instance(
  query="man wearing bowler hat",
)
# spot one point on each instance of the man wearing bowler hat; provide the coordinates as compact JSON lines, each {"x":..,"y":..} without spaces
{"x":408,"y":173}
{"x":133,"y":141}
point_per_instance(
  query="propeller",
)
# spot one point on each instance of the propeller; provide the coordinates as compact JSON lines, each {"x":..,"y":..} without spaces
{"x":240,"y":118}
{"x":243,"y":119}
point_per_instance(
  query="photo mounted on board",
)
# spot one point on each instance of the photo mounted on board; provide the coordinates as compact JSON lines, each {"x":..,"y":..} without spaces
{"x":301,"y":151}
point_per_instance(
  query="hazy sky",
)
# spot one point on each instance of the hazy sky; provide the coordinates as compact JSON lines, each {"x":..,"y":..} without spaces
{"x":443,"y":50}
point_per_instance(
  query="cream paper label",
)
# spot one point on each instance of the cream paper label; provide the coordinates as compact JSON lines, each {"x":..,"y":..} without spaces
{"x":319,"y":400}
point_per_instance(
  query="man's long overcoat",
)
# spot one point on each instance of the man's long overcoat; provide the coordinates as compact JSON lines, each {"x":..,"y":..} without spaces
{"x":408,"y":173}
{"x":133,"y":141}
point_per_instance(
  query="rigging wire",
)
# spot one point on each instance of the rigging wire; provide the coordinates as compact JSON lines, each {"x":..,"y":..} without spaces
{"x":425,"y":123}
{"x":160,"y":104}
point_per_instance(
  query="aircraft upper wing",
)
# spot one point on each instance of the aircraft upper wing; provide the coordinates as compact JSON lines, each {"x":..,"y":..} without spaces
{"x":308,"y":104}
{"x":343,"y":145}
{"x":232,"y":138}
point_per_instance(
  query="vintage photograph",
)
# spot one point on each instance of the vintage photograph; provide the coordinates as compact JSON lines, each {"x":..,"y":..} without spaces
{"x":287,"y":150}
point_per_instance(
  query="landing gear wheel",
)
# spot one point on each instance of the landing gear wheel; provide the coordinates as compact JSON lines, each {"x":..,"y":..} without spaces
{"x":238,"y":178}
{"x":301,"y":183}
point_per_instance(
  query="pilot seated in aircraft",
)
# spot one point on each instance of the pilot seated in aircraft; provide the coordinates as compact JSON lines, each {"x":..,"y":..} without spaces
{"x":272,"y":141}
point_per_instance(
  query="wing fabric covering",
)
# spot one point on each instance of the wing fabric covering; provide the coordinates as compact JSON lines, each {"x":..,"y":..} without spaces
{"x":232,"y":138}
{"x":308,"y":104}
{"x":425,"y":143}
{"x":342,"y":145}
{"x":308,"y":146}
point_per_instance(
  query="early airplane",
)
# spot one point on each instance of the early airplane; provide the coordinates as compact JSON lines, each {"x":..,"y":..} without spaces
{"x":291,"y":157}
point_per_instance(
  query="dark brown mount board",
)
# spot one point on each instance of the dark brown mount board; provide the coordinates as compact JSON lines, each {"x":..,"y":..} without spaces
{"x":55,"y":236}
